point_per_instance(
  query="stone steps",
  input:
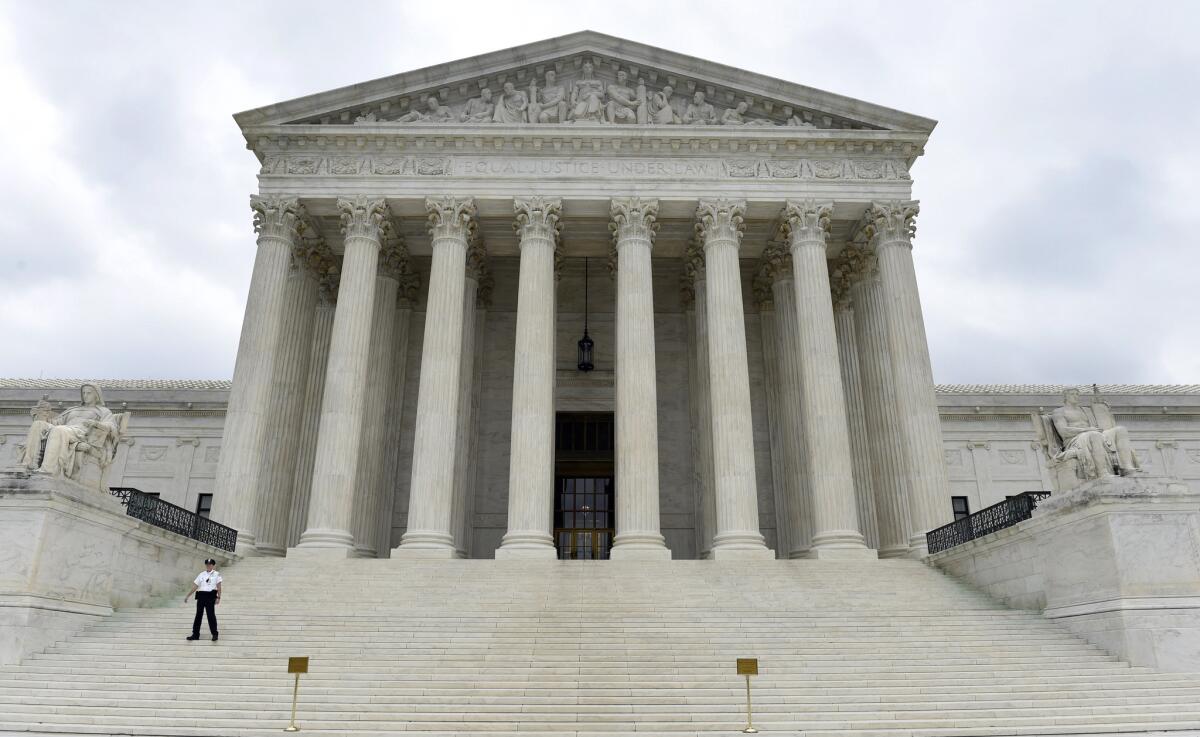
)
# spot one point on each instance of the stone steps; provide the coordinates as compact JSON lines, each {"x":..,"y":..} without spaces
{"x":886,"y":648}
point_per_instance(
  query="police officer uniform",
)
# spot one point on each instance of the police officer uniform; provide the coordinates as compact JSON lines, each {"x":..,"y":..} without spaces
{"x":208,"y":593}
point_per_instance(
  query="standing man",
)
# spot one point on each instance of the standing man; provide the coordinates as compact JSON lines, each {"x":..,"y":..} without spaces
{"x":207,"y":588}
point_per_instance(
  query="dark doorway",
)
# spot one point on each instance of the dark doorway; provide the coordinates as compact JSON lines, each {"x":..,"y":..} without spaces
{"x":584,"y":521}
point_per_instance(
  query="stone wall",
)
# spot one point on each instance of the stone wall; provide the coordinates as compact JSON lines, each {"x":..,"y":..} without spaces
{"x":1117,"y":561}
{"x":70,"y":555}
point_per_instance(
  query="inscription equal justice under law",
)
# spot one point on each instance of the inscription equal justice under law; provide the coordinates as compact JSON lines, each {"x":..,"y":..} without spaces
{"x":593,"y":167}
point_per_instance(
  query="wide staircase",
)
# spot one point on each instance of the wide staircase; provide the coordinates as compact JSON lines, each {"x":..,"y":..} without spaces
{"x":477,"y":647}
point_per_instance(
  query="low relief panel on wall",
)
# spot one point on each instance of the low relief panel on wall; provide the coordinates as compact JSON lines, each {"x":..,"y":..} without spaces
{"x":628,"y":167}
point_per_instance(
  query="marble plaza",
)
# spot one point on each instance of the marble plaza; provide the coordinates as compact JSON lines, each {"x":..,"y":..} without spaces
{"x":589,"y":300}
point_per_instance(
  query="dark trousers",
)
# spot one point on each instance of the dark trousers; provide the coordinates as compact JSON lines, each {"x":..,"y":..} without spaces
{"x":206,"y":602}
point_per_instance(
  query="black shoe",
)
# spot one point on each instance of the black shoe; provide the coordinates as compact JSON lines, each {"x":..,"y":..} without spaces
{"x":193,"y":637}
{"x":214,"y":638}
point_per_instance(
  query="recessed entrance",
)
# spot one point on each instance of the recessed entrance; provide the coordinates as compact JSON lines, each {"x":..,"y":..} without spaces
{"x":584,"y":521}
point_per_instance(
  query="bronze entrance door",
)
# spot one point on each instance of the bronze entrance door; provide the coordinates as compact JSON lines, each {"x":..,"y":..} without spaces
{"x":584,"y":523}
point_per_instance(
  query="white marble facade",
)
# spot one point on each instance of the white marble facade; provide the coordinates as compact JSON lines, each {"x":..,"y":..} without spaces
{"x":417,"y":295}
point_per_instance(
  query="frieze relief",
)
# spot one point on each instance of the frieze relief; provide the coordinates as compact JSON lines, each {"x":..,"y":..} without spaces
{"x":571,"y":167}
{"x":585,"y":90}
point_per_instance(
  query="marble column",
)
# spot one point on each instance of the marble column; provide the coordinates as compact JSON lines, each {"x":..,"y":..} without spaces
{"x":891,"y":227}
{"x":464,"y":484}
{"x":339,"y":437}
{"x":783,"y":290}
{"x":880,"y":413}
{"x":452,"y":227}
{"x":835,"y":524}
{"x":314,"y":391}
{"x":695,"y":288}
{"x":277,"y":482}
{"x":369,"y":483}
{"x":531,"y":462}
{"x":779,"y":478}
{"x":719,"y":226}
{"x":860,"y":448}
{"x":406,"y":299}
{"x":639,"y":535}
{"x":277,"y":221}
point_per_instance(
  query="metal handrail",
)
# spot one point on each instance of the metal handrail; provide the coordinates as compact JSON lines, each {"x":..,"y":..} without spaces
{"x":984,"y":522}
{"x":149,"y":508}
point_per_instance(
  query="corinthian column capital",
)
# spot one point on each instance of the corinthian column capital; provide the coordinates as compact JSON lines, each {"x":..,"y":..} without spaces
{"x":720,"y":221}
{"x":891,"y":222}
{"x":633,"y":219}
{"x":537,"y":217}
{"x":451,"y":217}
{"x":858,"y":264}
{"x":277,"y":217}
{"x":364,"y":217}
{"x":806,"y":222}
{"x":477,"y":261}
{"x":393,"y":256}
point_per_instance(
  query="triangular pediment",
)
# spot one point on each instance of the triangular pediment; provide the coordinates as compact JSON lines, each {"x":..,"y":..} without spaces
{"x":599,"y":80}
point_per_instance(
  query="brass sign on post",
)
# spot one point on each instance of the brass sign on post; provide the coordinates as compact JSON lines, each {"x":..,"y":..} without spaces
{"x":297,"y":666}
{"x":748,"y":667}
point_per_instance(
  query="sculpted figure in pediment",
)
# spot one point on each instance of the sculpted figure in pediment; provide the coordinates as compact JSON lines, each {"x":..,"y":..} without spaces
{"x":700,"y":112}
{"x":511,"y":106}
{"x":737,"y":116}
{"x":622,"y":102}
{"x":587,"y":97}
{"x":434,"y":112}
{"x":549,"y":104}
{"x":659,"y":110}
{"x":478,"y":109}
{"x":798,"y":122}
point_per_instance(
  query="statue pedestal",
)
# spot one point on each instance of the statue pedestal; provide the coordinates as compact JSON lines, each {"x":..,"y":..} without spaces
{"x":71,"y":555}
{"x":1116,"y":561}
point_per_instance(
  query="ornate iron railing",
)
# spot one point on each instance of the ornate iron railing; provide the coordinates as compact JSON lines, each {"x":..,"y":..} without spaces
{"x":150,"y":508}
{"x":996,"y":517}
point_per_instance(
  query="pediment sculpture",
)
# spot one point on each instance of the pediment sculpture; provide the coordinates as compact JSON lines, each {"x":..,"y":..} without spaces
{"x":586,"y":99}
{"x":78,"y":444}
{"x":1083,"y":443}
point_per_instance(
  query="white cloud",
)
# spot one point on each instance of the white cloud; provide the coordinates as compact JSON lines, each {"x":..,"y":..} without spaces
{"x":1063,"y":126}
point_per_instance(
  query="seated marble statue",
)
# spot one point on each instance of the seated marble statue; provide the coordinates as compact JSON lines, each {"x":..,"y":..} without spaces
{"x":512,"y":105}
{"x":659,"y":110}
{"x":478,"y":109}
{"x":1092,"y":437}
{"x":82,"y":435}
{"x":700,"y":112}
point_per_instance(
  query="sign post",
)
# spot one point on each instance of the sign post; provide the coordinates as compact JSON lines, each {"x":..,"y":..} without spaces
{"x":297,"y":666}
{"x":748,"y":667}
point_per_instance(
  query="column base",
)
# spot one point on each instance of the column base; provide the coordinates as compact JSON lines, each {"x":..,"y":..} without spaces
{"x":305,"y":555}
{"x":317,"y":537}
{"x":918,"y":547}
{"x":840,"y":545}
{"x":896,"y":551}
{"x":527,"y":545}
{"x":364,"y":552}
{"x":417,"y":544}
{"x":246,"y":545}
{"x":640,"y":546}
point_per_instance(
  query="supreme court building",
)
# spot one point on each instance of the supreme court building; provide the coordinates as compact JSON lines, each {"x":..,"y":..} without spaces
{"x":432,"y":246}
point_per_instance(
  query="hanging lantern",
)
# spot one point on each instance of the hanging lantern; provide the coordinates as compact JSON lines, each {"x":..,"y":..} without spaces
{"x":585,"y":343}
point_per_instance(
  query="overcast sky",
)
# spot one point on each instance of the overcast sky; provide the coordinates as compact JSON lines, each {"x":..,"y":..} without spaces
{"x":1060,"y":193}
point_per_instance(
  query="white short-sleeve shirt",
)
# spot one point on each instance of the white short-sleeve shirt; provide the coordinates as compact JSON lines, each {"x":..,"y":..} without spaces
{"x":207,"y":581}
